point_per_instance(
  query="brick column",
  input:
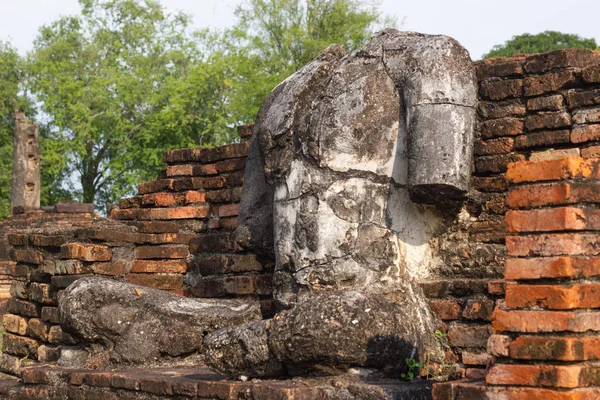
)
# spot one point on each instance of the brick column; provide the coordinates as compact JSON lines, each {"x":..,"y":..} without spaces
{"x":547,"y":334}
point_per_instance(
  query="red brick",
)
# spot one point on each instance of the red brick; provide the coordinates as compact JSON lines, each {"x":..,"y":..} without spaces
{"x":553,"y":154}
{"x":18,"y":239}
{"x":542,"y":139}
{"x":160,"y":185}
{"x":590,"y":152}
{"x":206,"y":155}
{"x":48,"y":240}
{"x":501,"y":89}
{"x":559,"y":193}
{"x":41,"y":293}
{"x":559,"y":244}
{"x":15,"y":324}
{"x":494,"y":146}
{"x":495,"y":205}
{"x":526,"y":321}
{"x":446,"y":309}
{"x":169,"y":252}
{"x":163,"y":282}
{"x":591,"y":74}
{"x":219,"y":286}
{"x":577,"y":99}
{"x":28,"y":256}
{"x":498,"y":67}
{"x":131,"y":202}
{"x":231,"y":165}
{"x":575,"y":58}
{"x":470,"y":358}
{"x":554,"y":297}
{"x":498,"y":345}
{"x":586,"y":115}
{"x":245,"y":131}
{"x":550,"y":82}
{"x":553,"y":219}
{"x":86,"y":252}
{"x":556,"y":348}
{"x":212,"y":243}
{"x":156,"y":227}
{"x":159,"y":266}
{"x":559,"y":376}
{"x":585,"y":133}
{"x":22,"y":307}
{"x":110,"y":268}
{"x":497,"y":163}
{"x":190,"y":212}
{"x":468,"y":335}
{"x":490,"y":184}
{"x":549,"y":103}
{"x":38,"y":329}
{"x":502,"y":109}
{"x":478,"y":309}
{"x":553,"y":267}
{"x":536,"y":171}
{"x":225,"y":264}
{"x":490,"y":230}
{"x":229,"y":210}
{"x":19,"y":345}
{"x":508,"y":126}
{"x":170,"y":199}
{"x":180,"y":170}
{"x":125,"y":214}
{"x":548,"y":120}
{"x":50,"y":314}
{"x":496,"y":286}
{"x":113,"y":235}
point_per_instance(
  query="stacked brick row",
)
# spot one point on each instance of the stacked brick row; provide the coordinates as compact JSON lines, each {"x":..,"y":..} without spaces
{"x":49,"y":260}
{"x":538,"y":107}
{"x":65,"y":213}
{"x":547,"y":339}
{"x":175,"y":235}
{"x":200,"y":191}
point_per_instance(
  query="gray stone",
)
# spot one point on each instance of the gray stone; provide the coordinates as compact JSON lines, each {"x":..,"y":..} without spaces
{"x":243,"y":350}
{"x":138,"y":324}
{"x":327,"y":334}
{"x":354,"y":146}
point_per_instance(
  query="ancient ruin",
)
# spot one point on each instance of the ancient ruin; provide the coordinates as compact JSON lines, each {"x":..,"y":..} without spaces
{"x":398,"y":212}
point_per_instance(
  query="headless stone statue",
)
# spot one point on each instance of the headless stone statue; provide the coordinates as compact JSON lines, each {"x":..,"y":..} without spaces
{"x":353,"y":163}
{"x":351,"y":159}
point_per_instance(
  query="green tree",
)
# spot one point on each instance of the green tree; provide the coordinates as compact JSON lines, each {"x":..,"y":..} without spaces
{"x":271,"y":39}
{"x":540,"y":43}
{"x":121,"y":83}
{"x":9,"y":102}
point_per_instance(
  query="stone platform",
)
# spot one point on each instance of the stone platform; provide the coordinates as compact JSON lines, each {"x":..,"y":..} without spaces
{"x":50,"y":382}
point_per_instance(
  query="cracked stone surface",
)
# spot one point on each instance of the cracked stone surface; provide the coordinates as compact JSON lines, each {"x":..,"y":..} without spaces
{"x":352,"y":157}
{"x":326,"y":335}
{"x":137,"y":325}
{"x":358,"y":163}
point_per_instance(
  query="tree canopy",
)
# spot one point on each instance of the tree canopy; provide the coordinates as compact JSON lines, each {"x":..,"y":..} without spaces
{"x":9,"y":102}
{"x":271,"y":39}
{"x":540,"y":43}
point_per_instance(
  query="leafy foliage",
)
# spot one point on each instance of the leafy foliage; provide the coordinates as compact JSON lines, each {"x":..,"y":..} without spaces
{"x":540,"y":43}
{"x":121,"y":83}
{"x":273,"y":38}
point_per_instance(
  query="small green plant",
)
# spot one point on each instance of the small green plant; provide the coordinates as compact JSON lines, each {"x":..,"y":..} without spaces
{"x":412,"y":365}
{"x":439,"y":371}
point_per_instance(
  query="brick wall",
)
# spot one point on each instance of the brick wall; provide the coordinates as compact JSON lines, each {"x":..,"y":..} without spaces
{"x":175,"y":235}
{"x":546,"y":339}
{"x":532,"y":110}
{"x":66,"y":213}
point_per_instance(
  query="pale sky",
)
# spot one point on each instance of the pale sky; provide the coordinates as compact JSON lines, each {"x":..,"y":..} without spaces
{"x":477,"y":24}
